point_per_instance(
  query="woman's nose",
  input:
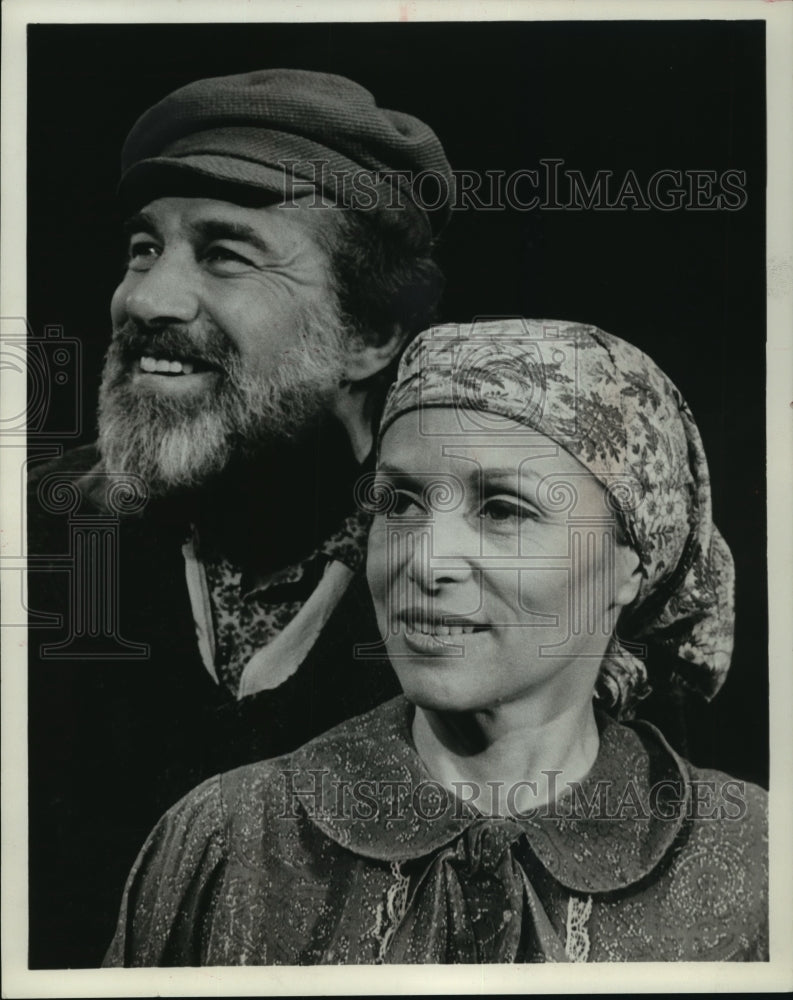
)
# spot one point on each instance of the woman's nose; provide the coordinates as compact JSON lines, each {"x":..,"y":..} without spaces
{"x":441,"y":552}
{"x":165,"y":293}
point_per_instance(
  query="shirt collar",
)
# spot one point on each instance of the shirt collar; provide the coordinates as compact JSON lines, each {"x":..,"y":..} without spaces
{"x":364,"y":785}
{"x":346,"y":545}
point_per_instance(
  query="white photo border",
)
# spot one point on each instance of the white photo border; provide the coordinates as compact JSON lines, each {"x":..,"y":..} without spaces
{"x":777,"y":974}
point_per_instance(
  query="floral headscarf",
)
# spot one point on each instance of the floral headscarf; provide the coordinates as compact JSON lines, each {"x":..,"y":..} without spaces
{"x":607,"y":404}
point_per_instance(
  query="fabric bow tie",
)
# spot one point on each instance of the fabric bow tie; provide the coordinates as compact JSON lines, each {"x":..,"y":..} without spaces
{"x":473,"y":902}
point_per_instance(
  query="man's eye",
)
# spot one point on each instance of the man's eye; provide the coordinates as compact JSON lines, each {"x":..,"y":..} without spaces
{"x":503,"y":510}
{"x":226,"y":258}
{"x":141,"y":254}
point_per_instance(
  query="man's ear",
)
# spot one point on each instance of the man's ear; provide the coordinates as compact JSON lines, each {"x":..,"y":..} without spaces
{"x":365,"y":360}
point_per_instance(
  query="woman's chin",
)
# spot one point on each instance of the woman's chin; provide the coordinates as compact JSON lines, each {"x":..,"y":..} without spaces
{"x":439,"y":699}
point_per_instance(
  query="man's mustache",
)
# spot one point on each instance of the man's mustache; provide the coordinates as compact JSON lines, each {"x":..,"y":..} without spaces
{"x":208,"y":348}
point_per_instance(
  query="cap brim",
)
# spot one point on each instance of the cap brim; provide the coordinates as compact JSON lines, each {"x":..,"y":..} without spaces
{"x":203,"y":175}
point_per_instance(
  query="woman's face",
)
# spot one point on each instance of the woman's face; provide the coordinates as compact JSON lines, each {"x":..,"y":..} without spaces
{"x":495,"y":572}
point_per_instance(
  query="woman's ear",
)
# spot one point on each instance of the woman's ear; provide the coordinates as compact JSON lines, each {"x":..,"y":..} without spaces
{"x":628,"y":575}
{"x":365,"y":360}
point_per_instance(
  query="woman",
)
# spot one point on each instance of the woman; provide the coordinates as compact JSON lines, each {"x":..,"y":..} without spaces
{"x":542,"y":522}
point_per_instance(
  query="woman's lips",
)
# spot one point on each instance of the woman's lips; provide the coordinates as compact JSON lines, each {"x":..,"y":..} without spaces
{"x":433,"y":644}
{"x":431,"y":634}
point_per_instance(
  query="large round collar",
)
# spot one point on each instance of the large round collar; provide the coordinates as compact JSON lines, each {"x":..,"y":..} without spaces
{"x":365,"y":787}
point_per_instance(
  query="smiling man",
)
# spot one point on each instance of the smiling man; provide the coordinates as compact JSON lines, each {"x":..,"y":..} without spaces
{"x":276,"y":264}
{"x":226,"y":330}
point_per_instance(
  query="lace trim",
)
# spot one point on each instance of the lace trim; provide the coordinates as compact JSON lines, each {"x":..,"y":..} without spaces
{"x":578,"y":912}
{"x":390,"y":912}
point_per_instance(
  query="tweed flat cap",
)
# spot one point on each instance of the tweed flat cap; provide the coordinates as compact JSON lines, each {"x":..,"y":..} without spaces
{"x":287,"y":132}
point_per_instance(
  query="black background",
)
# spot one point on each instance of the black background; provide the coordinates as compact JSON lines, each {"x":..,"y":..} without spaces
{"x":688,"y":287}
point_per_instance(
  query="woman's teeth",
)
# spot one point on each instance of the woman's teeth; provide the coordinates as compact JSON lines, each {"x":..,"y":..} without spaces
{"x":427,"y":629}
{"x":164,"y":367}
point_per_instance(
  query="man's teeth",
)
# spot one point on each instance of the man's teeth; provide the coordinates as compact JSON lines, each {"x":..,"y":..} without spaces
{"x":165,"y":367}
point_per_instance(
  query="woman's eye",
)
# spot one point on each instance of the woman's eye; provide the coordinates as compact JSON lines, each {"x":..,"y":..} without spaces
{"x":501,"y":509}
{"x":406,"y":504}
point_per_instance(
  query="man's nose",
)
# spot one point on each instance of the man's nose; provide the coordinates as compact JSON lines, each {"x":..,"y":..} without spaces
{"x":165,"y":293}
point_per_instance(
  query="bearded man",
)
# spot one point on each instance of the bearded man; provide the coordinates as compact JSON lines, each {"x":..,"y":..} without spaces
{"x":277,"y":263}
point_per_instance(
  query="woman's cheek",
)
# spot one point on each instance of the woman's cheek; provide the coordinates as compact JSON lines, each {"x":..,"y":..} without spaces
{"x":376,"y":567}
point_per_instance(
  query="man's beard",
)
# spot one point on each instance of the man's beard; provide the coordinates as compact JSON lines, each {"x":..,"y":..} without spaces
{"x":181,"y":441}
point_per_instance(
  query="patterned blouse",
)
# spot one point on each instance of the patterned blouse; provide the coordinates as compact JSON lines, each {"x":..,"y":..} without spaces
{"x":346,"y":851}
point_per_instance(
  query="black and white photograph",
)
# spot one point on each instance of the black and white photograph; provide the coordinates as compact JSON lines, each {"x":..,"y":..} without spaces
{"x":396,"y":522}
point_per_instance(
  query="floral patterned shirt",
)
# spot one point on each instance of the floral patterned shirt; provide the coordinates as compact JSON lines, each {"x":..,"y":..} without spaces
{"x":346,"y":851}
{"x":245,"y":620}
